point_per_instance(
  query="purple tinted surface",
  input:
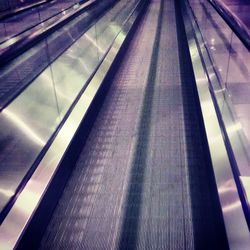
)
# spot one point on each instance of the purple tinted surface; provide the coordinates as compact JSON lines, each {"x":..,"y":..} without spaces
{"x":17,"y":74}
{"x":237,"y":13}
{"x":239,"y":8}
{"x":6,"y":5}
{"x":12,"y":26}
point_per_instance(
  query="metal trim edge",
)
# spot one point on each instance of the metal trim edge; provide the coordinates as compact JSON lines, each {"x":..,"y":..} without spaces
{"x":232,"y":211}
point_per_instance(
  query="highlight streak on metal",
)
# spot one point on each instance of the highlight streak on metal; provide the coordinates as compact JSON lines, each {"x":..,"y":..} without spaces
{"x":93,"y":41}
{"x":7,"y":192}
{"x":23,"y":127}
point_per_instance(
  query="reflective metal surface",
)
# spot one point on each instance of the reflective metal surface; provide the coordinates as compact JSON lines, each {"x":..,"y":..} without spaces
{"x":227,"y":63}
{"x":21,"y":71}
{"x":31,"y":119}
{"x":234,"y":218}
{"x":77,"y":64}
{"x":143,"y":179}
{"x":26,"y":126}
{"x":31,"y":124}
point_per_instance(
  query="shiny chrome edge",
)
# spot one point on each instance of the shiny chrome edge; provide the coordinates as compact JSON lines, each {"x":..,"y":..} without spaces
{"x":16,"y":222}
{"x":233,"y":214}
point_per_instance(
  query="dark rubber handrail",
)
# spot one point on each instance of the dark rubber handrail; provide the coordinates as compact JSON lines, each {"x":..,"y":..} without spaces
{"x":31,"y":28}
{"x":238,"y":27}
{"x":19,"y":44}
{"x":13,"y":12}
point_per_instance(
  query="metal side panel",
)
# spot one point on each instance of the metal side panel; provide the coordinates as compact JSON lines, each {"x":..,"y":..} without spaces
{"x":234,"y":218}
{"x":14,"y":225}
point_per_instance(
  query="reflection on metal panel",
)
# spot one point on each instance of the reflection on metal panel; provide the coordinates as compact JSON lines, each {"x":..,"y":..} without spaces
{"x":230,"y":81}
{"x":19,"y":216}
{"x":233,"y":214}
{"x":26,"y":125}
{"x":31,"y":119}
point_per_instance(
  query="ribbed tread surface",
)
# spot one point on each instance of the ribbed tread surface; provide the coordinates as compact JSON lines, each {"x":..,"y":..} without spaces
{"x":143,"y":180}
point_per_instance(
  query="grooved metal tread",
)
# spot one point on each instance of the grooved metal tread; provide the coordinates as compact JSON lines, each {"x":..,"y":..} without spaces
{"x":143,"y":179}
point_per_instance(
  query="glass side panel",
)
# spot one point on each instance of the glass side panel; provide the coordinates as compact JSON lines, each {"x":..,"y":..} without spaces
{"x":230,"y":81}
{"x":68,"y":58}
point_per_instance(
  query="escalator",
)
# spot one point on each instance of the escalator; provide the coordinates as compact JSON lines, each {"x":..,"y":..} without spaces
{"x":19,"y":22}
{"x":30,"y":112}
{"x":143,"y":178}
